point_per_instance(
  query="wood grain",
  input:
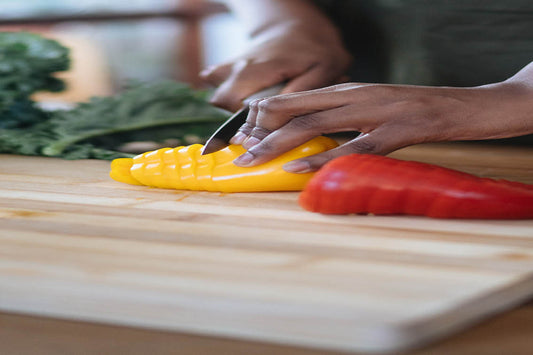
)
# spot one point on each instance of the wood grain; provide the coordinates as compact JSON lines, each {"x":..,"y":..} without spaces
{"x":255,"y":266}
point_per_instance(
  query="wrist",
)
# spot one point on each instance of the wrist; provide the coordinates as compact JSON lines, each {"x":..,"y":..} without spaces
{"x":524,"y":78}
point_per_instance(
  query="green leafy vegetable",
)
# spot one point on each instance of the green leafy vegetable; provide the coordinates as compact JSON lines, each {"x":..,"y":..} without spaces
{"x":138,"y":108}
{"x":27,"y":62}
{"x":95,"y":129}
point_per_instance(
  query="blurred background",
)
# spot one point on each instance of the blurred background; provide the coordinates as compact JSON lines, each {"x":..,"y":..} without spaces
{"x":116,"y":41}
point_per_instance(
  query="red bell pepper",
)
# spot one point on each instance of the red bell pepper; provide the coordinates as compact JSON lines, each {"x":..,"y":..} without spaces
{"x":364,"y":183}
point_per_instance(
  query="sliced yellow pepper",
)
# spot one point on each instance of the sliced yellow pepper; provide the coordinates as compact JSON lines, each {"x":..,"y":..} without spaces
{"x":184,"y":168}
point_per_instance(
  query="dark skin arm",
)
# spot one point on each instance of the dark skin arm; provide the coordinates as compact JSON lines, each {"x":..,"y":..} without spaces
{"x":291,"y":41}
{"x":389,"y":116}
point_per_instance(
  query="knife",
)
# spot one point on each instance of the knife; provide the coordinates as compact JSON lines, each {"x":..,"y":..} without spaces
{"x":220,"y":139}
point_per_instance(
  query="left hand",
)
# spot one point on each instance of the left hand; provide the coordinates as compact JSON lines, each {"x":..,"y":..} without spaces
{"x":298,"y":56}
{"x":389,"y":117}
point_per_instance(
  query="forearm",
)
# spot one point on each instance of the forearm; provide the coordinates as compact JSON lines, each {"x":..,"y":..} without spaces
{"x":520,"y":106}
{"x":388,"y":116}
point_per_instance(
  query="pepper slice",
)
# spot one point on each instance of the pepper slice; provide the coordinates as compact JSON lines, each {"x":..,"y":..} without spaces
{"x":185,"y":168}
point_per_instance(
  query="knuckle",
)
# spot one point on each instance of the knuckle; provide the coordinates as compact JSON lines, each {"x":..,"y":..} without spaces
{"x":270,"y":105}
{"x":254,"y":105}
{"x":246,"y":128}
{"x":260,"y":132}
{"x":306,"y":122}
{"x":363,"y":146}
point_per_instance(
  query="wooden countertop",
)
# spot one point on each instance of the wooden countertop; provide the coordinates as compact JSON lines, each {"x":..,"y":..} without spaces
{"x":507,"y":333}
{"x":253,"y":271}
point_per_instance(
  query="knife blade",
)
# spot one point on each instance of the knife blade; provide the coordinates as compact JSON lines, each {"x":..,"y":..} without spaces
{"x":220,"y":139}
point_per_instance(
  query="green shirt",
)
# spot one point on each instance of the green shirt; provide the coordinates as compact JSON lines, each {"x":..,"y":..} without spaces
{"x":435,"y":42}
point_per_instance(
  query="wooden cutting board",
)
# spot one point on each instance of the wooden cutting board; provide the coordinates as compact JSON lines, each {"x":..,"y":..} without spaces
{"x":75,"y":244}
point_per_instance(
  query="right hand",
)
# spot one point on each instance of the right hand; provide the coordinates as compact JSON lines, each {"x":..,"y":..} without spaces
{"x":306,"y":58}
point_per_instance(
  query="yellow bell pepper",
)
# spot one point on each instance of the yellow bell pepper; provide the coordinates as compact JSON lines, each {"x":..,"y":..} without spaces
{"x":184,"y":168}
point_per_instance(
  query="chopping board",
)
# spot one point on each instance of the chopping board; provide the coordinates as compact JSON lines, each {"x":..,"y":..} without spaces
{"x":76,"y":245}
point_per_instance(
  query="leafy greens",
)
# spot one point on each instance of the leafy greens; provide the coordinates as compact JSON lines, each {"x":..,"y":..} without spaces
{"x":94,"y":129}
{"x":27,"y":62}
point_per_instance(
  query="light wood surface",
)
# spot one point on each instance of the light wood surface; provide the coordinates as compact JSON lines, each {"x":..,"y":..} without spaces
{"x":76,"y":245}
{"x":508,"y":333}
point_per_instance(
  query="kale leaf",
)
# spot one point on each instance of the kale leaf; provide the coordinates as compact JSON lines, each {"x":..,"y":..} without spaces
{"x":161,"y":107}
{"x":27,"y":62}
{"x":94,"y":129}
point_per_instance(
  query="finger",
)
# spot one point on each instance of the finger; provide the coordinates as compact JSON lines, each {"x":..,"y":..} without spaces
{"x":359,"y":116}
{"x":257,"y":135}
{"x":245,"y":80}
{"x":263,"y":145}
{"x":380,"y":141}
{"x":242,"y":133}
{"x":246,"y":129}
{"x":226,"y":97}
{"x":266,"y":150}
{"x":258,"y":131}
{"x":274,"y":112}
{"x":357,"y":113}
{"x":289,"y":109}
{"x":215,"y":75}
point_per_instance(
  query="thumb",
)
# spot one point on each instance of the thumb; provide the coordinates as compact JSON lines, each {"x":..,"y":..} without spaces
{"x":376,"y":142}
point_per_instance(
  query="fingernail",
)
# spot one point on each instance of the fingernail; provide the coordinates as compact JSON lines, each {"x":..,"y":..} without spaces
{"x":244,"y":159}
{"x":238,"y":138}
{"x":297,"y":167}
{"x":250,"y":142}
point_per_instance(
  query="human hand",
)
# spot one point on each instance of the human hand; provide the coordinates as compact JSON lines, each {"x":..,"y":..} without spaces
{"x":389,"y":117}
{"x":291,"y":53}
